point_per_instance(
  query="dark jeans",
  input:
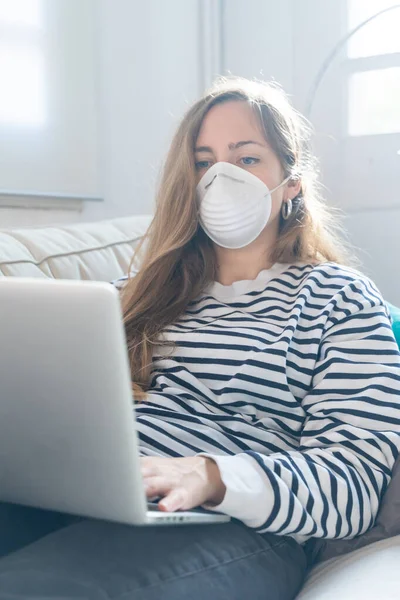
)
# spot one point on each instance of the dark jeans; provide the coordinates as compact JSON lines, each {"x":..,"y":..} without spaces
{"x":94,"y":560}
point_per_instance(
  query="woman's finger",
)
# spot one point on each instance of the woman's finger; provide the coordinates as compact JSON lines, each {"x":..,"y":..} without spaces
{"x":177,"y":499}
{"x":158,"y":486}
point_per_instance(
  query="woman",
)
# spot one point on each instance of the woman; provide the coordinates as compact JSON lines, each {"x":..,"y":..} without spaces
{"x":266,"y":374}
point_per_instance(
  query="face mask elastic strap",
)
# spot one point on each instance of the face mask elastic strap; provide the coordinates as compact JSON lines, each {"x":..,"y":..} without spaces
{"x":281,"y":184}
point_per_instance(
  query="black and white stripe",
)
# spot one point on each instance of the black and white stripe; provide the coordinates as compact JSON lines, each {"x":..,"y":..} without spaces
{"x":291,"y":382}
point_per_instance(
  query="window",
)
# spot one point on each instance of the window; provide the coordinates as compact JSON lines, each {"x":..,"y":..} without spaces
{"x":48,"y":103}
{"x":374,"y":106}
{"x":22,"y":99}
{"x":356,"y":111}
{"x":374,"y":64}
{"x":380,"y":36}
{"x":26,"y":13}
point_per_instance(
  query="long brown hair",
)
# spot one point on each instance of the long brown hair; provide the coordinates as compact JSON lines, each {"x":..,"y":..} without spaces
{"x":177,"y":257}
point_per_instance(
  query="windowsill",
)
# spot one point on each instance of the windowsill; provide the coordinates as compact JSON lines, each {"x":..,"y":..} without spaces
{"x":40,"y":201}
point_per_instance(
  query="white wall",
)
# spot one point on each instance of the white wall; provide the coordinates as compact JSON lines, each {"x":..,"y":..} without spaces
{"x":258,"y":40}
{"x":22,"y":217}
{"x":148,"y":73}
{"x":375,"y":235}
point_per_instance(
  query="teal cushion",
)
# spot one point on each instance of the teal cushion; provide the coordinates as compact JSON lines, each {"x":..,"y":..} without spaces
{"x":395,"y":314}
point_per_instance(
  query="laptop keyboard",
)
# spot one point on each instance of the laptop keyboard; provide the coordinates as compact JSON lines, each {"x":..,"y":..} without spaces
{"x":153,"y":506}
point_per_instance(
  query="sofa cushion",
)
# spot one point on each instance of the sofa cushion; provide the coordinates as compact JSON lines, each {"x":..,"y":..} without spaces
{"x":99,"y":251}
{"x":370,"y":573}
{"x":395,"y":314}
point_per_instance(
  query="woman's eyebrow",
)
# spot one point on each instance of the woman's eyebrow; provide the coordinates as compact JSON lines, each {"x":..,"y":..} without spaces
{"x":244,"y":143}
{"x":203,"y":149}
{"x":231,"y":146}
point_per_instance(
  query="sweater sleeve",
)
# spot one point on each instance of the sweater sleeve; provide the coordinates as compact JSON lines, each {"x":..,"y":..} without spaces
{"x":331,"y":486}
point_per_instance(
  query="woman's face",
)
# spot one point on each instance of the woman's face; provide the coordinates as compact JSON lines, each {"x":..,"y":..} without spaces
{"x":231,"y":133}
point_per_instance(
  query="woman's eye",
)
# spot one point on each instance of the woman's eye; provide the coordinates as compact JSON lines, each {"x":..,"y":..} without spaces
{"x":249,"y":160}
{"x":202,"y":164}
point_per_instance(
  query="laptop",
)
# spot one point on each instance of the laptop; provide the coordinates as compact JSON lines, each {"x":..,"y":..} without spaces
{"x":68,"y":439}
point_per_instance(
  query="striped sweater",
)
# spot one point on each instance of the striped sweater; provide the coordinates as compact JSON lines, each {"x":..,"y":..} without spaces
{"x":291,"y":383}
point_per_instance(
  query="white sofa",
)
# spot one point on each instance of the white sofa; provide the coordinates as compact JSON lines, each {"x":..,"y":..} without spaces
{"x":102,"y":251}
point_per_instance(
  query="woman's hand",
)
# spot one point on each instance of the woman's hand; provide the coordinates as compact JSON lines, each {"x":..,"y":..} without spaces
{"x":183,"y":483}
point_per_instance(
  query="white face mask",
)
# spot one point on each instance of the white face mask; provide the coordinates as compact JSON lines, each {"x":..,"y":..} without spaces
{"x":234,"y":205}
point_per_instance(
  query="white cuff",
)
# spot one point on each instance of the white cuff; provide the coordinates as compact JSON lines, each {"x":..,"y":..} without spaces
{"x":249,"y":496}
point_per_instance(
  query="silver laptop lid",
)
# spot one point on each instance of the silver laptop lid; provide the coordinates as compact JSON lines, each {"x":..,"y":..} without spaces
{"x":67,"y":428}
